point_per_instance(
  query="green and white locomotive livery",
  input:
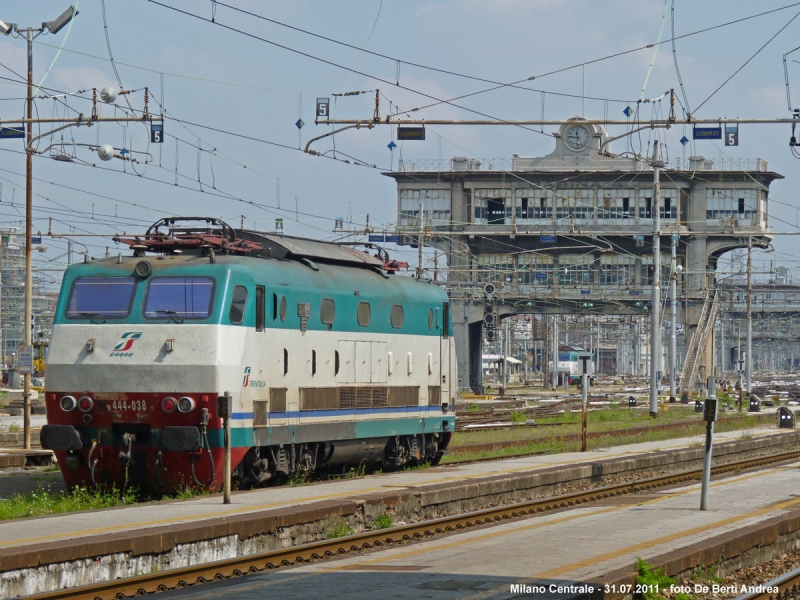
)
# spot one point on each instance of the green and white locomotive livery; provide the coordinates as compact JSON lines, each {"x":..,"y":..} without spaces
{"x":330,"y":358}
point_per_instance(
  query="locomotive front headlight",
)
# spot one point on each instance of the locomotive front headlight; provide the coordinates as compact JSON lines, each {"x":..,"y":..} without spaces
{"x":85,"y":404}
{"x":186,"y":404}
{"x":68,"y":403}
{"x":168,"y":404}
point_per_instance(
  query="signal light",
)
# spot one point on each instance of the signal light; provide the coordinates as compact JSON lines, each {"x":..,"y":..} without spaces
{"x":85,"y":404}
{"x":68,"y":403}
{"x":169,"y":404}
{"x":186,"y":404}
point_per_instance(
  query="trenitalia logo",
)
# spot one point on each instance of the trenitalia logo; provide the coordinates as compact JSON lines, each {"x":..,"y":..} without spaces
{"x":125,"y":343}
{"x":246,"y":379}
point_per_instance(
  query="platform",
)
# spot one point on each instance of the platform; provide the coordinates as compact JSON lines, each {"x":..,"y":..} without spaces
{"x":44,"y":553}
{"x":537,"y":557}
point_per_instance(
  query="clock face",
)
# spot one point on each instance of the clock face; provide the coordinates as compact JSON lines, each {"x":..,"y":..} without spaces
{"x":576,"y":137}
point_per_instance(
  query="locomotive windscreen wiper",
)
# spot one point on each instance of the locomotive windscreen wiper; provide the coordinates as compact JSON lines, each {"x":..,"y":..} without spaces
{"x":93,"y":315}
{"x":170,"y":314}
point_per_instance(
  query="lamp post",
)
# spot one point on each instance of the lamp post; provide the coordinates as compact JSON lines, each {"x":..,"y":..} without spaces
{"x":31,"y":33}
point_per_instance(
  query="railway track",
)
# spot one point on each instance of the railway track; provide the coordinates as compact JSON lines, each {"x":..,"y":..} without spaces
{"x":573,"y":437}
{"x":267,"y":561}
{"x":788,"y":586}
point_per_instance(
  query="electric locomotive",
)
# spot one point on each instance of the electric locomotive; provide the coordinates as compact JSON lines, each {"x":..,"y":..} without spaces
{"x":331,"y":359}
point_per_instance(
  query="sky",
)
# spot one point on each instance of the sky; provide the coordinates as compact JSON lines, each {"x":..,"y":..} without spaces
{"x":232,"y":86}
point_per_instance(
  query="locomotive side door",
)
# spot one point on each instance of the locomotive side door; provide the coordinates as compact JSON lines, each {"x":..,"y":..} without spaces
{"x":445,"y":356}
{"x":347,"y":362}
{"x":363,"y":362}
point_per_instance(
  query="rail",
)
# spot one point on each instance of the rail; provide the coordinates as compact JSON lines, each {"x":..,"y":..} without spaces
{"x":788,"y":586}
{"x":305,"y":553}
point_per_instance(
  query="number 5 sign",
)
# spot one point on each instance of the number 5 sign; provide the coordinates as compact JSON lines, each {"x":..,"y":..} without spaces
{"x":731,"y":135}
{"x":156,"y":134}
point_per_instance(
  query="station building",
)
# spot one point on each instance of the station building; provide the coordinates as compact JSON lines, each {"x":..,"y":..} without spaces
{"x":571,"y":233}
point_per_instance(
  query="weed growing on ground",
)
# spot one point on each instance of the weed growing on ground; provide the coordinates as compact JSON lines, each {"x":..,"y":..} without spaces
{"x":473,"y":407}
{"x":187,"y":493}
{"x":356,"y":472}
{"x":336,"y":527}
{"x":651,"y":580}
{"x":383,"y":522}
{"x":425,"y":465}
{"x":300,"y":477}
{"x":13,"y":428}
{"x":518,"y":417}
{"x":42,"y":502}
{"x":707,"y":574}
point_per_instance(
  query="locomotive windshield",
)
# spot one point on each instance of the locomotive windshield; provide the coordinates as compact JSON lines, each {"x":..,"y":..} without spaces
{"x":179,"y":298}
{"x":101,"y":298}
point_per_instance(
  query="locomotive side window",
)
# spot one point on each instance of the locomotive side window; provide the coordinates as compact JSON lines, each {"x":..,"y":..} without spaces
{"x":397,"y":316}
{"x":238,"y":304}
{"x":179,"y":298}
{"x":274,"y":307}
{"x":101,"y":297}
{"x":282,"y":308}
{"x":364,"y":314}
{"x":285,"y":361}
{"x":335,"y":362}
{"x":313,"y":362}
{"x":261,"y":308}
{"x":430,"y":318}
{"x":327,"y":311}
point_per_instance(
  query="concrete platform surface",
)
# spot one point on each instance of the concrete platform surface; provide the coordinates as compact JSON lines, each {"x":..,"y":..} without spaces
{"x":567,"y":548}
{"x":74,"y":526}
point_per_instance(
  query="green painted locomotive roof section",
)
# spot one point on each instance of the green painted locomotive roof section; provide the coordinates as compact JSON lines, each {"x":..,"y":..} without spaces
{"x":295,"y":281}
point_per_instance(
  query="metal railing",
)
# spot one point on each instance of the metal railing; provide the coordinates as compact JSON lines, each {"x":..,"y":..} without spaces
{"x":432,"y":165}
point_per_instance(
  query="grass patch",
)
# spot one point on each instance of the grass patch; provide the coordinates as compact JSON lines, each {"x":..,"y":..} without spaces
{"x":13,"y":428}
{"x":383,"y":522}
{"x":336,"y":527}
{"x":473,"y":407}
{"x":543,"y":439}
{"x":651,"y":580}
{"x":42,"y":502}
{"x":518,"y":417}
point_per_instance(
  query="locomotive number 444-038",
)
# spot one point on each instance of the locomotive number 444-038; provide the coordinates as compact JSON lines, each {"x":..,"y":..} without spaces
{"x":129,"y":405}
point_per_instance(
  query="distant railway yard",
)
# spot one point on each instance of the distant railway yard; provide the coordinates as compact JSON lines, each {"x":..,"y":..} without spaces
{"x":513,"y":479}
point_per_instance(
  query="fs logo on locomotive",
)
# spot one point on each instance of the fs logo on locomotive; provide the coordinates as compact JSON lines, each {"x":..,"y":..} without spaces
{"x":126,"y":343}
{"x":247,"y":382}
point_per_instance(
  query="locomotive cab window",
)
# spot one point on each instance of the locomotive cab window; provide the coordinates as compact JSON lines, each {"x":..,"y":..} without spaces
{"x":364,"y":314}
{"x":179,"y":298}
{"x":238,"y":304}
{"x":101,"y":298}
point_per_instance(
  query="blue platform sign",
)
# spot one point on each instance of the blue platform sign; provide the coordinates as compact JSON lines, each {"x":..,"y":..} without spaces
{"x":541,"y":276}
{"x":36,"y":239}
{"x":12,"y":132}
{"x":586,"y":292}
{"x":707,"y":133}
{"x":384,"y":238}
{"x":548,"y":239}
